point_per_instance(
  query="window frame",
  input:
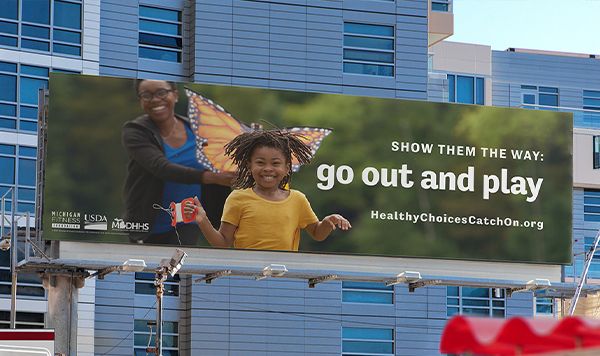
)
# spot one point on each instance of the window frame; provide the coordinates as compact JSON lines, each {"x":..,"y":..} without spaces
{"x":377,"y":67}
{"x":457,"y":302}
{"x":374,"y":289}
{"x":144,"y":46}
{"x":367,"y":341}
{"x":478,"y":89}
{"x":21,"y":37}
{"x":170,"y":350}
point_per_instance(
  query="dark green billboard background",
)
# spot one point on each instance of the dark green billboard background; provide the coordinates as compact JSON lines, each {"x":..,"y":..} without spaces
{"x":414,"y":178}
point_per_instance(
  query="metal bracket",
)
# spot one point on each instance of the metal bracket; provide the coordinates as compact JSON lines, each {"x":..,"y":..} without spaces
{"x":317,"y":280}
{"x":211,"y":276}
{"x":415,"y":285}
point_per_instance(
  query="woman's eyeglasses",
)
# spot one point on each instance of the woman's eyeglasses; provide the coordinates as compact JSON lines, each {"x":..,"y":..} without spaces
{"x":160,"y":93}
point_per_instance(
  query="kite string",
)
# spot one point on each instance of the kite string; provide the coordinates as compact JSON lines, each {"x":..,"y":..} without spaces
{"x":170,"y":212}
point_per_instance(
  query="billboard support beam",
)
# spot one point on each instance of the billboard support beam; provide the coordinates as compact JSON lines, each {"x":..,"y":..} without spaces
{"x":317,"y":280}
{"x":63,"y":297}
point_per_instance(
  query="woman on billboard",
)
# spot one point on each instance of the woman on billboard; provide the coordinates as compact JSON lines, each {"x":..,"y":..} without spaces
{"x":163,"y":168}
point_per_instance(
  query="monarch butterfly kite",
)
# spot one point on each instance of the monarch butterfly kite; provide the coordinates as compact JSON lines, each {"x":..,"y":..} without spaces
{"x":214,"y":127}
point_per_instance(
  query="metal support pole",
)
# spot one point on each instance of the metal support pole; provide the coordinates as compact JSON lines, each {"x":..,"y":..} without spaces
{"x":586,"y":267}
{"x":160,"y":289}
{"x":13,"y":263}
{"x":161,"y":276}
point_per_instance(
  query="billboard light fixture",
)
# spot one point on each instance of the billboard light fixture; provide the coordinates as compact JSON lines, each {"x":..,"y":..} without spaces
{"x":537,"y":284}
{"x":132,"y":265}
{"x":272,"y":270}
{"x":5,"y":244}
{"x":406,"y":277}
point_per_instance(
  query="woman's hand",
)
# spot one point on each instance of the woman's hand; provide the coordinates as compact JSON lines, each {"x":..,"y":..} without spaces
{"x":221,"y":178}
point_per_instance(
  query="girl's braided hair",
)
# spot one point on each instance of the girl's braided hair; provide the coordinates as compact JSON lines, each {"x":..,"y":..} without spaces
{"x":240,"y":149}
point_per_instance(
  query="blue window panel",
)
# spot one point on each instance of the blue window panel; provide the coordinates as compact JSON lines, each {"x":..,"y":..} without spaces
{"x":476,"y":302}
{"x":36,"y":31}
{"x":548,"y":100}
{"x":370,"y":69}
{"x":437,"y":6}
{"x":28,"y":112}
{"x":370,"y":347}
{"x":476,"y":311}
{"x":26,"y":194}
{"x":452,"y":291}
{"x":30,"y":88}
{"x":529,"y":99}
{"x":591,"y":200}
{"x":367,"y":333}
{"x":8,"y":83}
{"x":365,"y":29}
{"x":66,"y":49}
{"x":10,"y":9}
{"x":529,"y":87}
{"x":8,"y":41}
{"x":367,"y":297}
{"x":163,"y":14}
{"x":161,"y":27}
{"x":596,"y":155}
{"x":592,"y":93}
{"x":7,"y":170}
{"x":591,"y":209}
{"x":451,"y":88}
{"x":159,"y":54}
{"x":8,"y":123}
{"x":8,"y":110}
{"x":465,"y":90}
{"x":9,"y":27}
{"x":369,"y":56}
{"x":28,"y":151}
{"x":37,"y":45}
{"x":8,"y":67}
{"x":67,"y":36}
{"x":23,"y":207}
{"x":67,"y":15}
{"x":27,"y":168}
{"x":7,"y":149}
{"x":33,"y":70}
{"x":451,"y":311}
{"x":591,"y":102}
{"x":475,"y":292}
{"x":366,"y":285}
{"x":593,"y":193}
{"x":548,"y":90}
{"x":590,"y":217}
{"x":37,"y":11}
{"x":28,"y":126}
{"x":159,"y":40}
{"x":369,"y":42}
{"x":480,"y":100}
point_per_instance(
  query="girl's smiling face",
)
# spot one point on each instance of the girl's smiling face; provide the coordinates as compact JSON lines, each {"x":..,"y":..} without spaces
{"x":268,"y":167}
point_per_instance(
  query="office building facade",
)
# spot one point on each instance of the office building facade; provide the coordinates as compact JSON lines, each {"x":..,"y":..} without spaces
{"x":394,"y":49}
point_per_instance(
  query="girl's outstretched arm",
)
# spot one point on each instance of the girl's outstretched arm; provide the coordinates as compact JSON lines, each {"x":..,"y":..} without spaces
{"x":221,"y":238}
{"x":321,"y":229}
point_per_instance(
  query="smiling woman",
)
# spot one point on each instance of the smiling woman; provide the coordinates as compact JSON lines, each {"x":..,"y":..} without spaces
{"x":162,"y":167}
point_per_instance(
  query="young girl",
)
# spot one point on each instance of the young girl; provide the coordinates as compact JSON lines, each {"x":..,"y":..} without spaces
{"x":262,"y":214}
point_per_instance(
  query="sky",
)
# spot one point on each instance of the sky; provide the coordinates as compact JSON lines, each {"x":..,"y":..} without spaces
{"x":551,"y":25}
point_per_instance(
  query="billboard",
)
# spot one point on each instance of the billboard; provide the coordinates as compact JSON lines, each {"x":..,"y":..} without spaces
{"x":414,"y":178}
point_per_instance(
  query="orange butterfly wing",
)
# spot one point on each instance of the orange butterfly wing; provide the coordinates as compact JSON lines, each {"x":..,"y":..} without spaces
{"x":312,"y":136}
{"x":214,"y":128}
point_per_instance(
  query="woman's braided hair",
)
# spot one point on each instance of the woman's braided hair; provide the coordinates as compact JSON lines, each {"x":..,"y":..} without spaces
{"x":240,"y":149}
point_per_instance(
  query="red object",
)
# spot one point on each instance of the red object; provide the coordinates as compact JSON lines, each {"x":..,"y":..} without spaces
{"x":27,"y":335}
{"x":519,"y":335}
{"x":178,"y":215}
